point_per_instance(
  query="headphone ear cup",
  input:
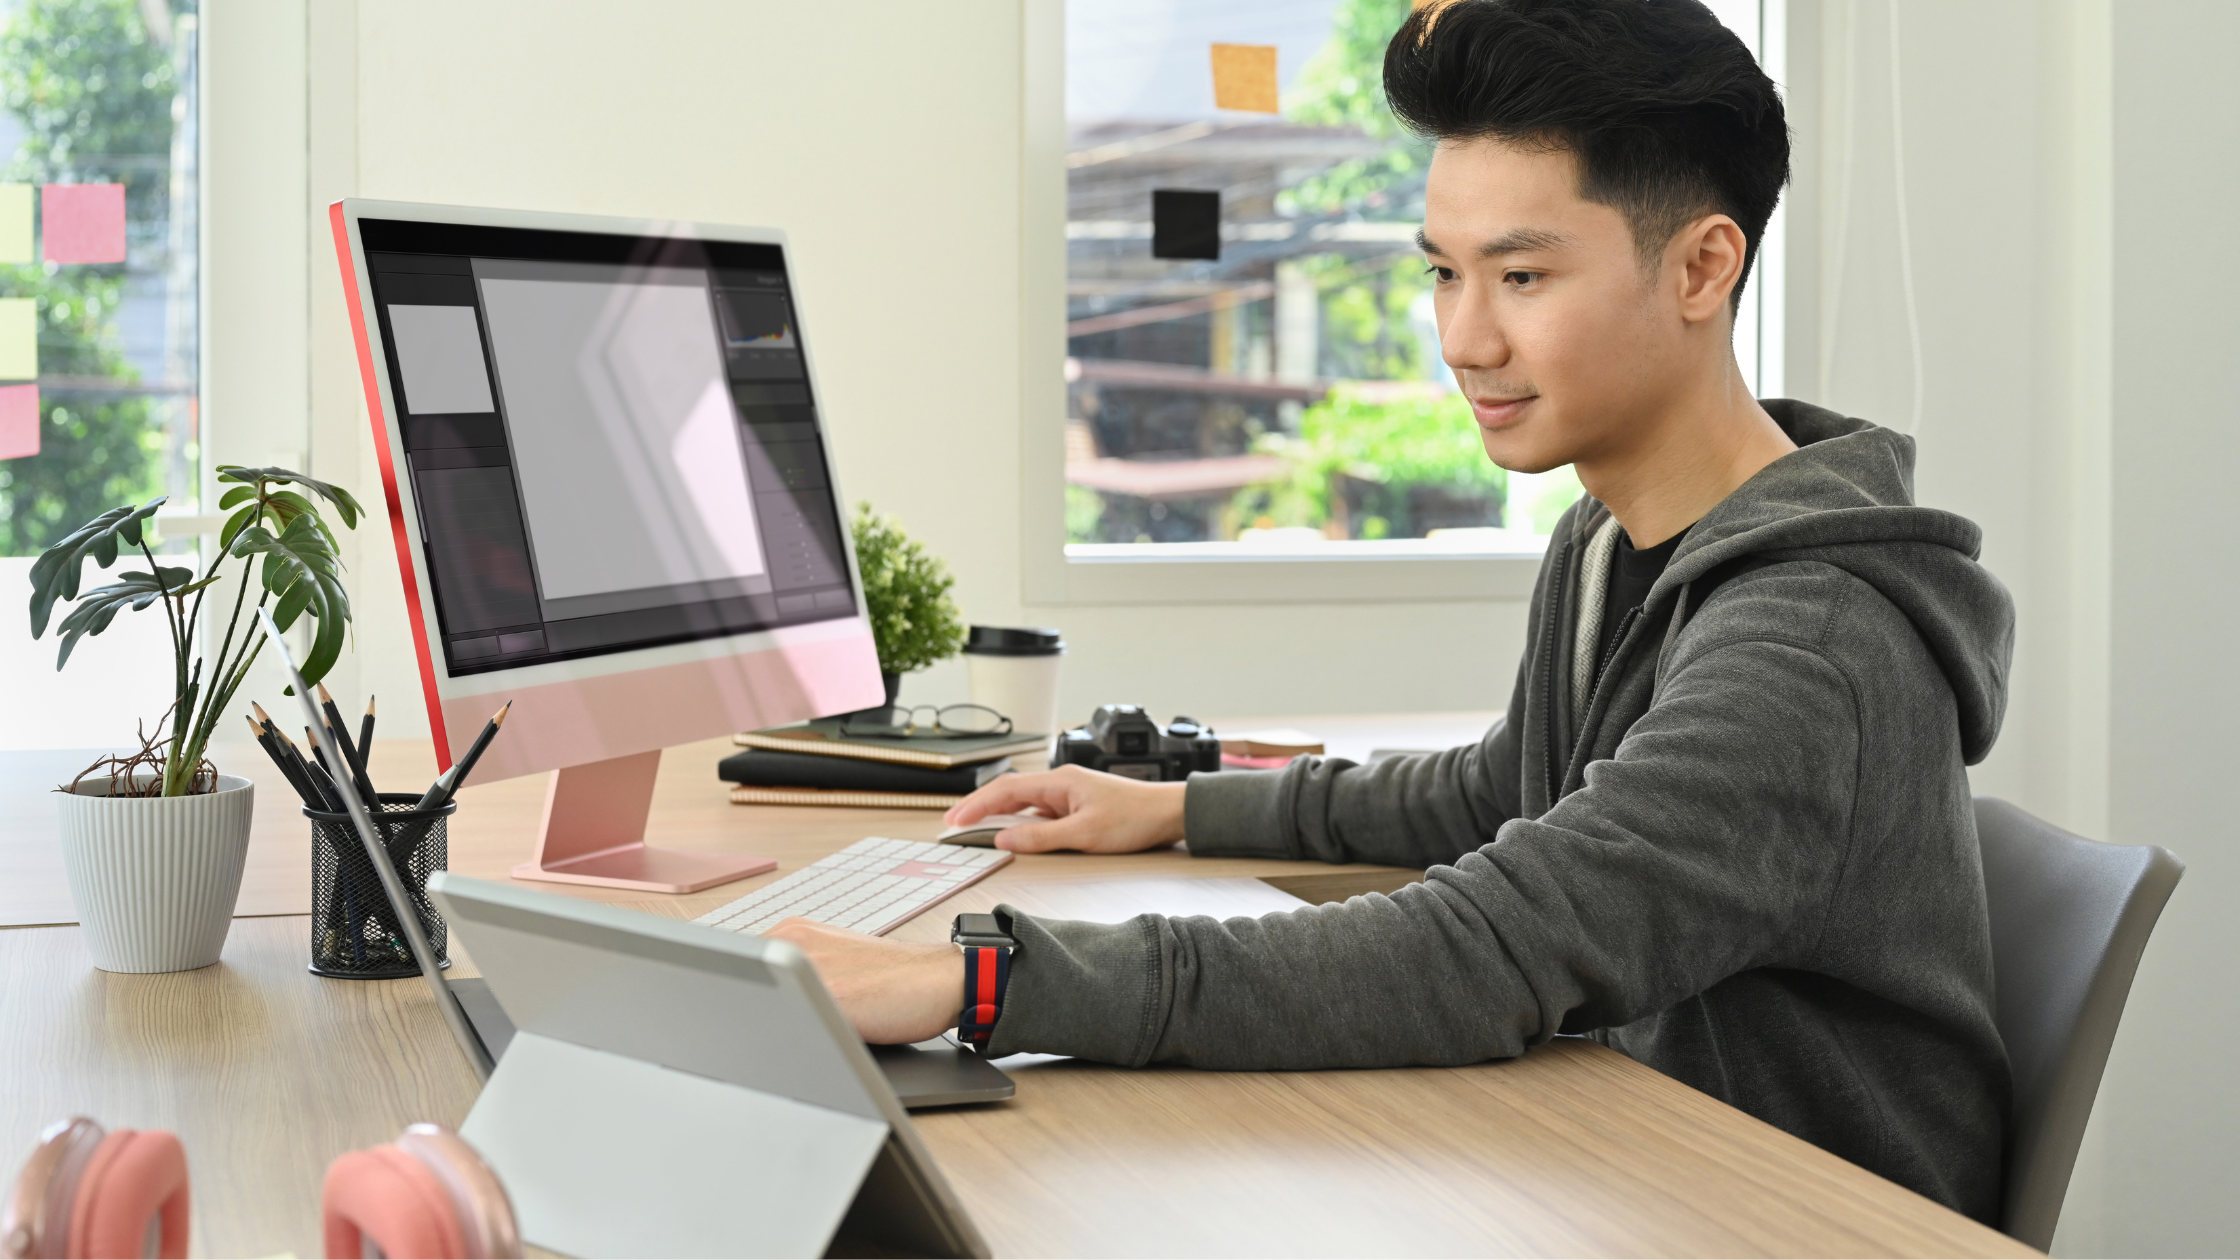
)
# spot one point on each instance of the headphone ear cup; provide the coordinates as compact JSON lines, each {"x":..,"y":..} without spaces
{"x":394,"y":1201}
{"x":132,"y":1199}
{"x":485,"y":1210}
{"x":35,"y":1221}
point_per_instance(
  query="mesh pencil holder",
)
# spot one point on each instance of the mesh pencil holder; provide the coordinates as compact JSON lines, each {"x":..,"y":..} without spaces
{"x":354,"y":933}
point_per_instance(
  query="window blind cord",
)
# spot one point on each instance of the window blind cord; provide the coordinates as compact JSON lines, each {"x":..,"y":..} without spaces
{"x":1831,"y":311}
{"x":1905,"y":232}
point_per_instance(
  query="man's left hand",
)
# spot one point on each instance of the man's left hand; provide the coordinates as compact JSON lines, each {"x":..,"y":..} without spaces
{"x":894,"y":993}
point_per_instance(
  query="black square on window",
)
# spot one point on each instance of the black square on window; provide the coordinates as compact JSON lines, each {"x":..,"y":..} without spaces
{"x":1185,"y":223}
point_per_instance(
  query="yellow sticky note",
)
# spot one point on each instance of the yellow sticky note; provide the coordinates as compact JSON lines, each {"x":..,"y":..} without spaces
{"x":19,"y":339}
{"x":1244,"y":77}
{"x":15,"y":224}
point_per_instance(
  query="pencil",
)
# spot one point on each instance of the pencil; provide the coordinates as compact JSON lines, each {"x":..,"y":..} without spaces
{"x":376,"y":911}
{"x":458,"y":773}
{"x":271,"y":748}
{"x":322,"y":771}
{"x":353,"y":764}
{"x":323,"y":799}
{"x":323,"y":794}
{"x":365,"y":736}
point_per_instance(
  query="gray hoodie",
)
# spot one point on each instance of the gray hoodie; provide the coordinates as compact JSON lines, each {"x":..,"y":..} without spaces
{"x":1750,"y":863}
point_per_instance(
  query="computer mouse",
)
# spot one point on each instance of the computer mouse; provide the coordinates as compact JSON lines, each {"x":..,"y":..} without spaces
{"x":982,"y":834}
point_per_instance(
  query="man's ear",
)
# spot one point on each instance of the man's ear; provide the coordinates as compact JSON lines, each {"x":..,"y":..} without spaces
{"x":1709,"y":252}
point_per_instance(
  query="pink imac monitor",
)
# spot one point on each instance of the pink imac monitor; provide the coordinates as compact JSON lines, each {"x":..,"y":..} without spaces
{"x":613,"y":500}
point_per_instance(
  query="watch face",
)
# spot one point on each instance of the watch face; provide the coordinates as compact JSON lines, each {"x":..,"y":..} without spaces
{"x":977,"y":925}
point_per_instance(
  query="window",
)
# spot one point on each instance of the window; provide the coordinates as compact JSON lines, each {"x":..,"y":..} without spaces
{"x":96,"y":92}
{"x":1288,"y":397}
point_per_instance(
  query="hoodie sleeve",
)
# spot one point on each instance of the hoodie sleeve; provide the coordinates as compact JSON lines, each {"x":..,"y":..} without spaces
{"x":1402,"y":811}
{"x":1706,"y":846}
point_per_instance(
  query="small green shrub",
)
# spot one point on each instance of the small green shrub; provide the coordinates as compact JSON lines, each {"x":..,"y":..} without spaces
{"x":906,"y":589}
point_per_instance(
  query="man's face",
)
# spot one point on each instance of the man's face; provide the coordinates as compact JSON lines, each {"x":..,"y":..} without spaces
{"x":1560,"y":341}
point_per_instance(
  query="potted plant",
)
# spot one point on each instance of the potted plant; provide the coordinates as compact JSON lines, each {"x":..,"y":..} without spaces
{"x":906,"y":594}
{"x":153,"y":843}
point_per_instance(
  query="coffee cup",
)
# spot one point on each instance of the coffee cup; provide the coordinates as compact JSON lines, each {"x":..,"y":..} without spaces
{"x":1014,"y":670}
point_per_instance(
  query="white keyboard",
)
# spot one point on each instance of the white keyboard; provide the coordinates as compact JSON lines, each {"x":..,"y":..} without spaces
{"x":871,"y":886}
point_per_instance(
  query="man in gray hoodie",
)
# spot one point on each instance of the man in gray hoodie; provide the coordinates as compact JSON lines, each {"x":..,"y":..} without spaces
{"x":1725,"y":825}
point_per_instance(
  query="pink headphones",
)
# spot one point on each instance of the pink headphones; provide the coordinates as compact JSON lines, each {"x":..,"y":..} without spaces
{"x":86,"y":1192}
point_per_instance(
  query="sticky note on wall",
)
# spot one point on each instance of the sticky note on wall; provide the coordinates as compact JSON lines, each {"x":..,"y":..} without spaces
{"x":19,"y":421}
{"x":19,"y":339}
{"x":82,"y":223}
{"x":15,"y":224}
{"x":1244,"y":77}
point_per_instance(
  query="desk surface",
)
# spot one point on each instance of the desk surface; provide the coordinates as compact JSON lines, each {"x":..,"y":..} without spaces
{"x":268,"y":1072}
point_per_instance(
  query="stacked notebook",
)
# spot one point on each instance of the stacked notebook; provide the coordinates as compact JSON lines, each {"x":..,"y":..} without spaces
{"x":814,"y":764}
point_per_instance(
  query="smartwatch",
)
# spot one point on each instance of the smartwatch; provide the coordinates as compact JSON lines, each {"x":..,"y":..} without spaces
{"x":987,"y":974}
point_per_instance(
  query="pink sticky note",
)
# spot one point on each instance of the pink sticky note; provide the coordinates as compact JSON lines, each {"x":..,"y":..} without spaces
{"x":83,"y":223}
{"x":19,"y":421}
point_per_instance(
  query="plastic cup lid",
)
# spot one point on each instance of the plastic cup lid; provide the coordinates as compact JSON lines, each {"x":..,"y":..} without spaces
{"x":1013,"y":641}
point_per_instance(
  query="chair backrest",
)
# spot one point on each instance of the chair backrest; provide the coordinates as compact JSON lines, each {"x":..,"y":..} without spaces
{"x":2069,"y":919}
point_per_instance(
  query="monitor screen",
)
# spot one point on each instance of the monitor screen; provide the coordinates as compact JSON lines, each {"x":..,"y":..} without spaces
{"x":611,"y":440}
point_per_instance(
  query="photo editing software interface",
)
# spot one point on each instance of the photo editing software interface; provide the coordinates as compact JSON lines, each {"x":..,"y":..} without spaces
{"x":611,"y":439}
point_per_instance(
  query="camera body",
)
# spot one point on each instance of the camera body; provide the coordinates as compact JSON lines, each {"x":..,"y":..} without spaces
{"x":1122,"y":739}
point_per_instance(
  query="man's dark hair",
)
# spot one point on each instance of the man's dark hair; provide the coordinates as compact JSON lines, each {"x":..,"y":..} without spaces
{"x":1666,"y":112}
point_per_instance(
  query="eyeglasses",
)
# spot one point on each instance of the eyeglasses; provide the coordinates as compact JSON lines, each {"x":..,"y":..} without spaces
{"x":901,"y":721}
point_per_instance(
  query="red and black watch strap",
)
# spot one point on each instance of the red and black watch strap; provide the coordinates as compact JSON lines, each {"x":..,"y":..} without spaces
{"x":987,"y":975}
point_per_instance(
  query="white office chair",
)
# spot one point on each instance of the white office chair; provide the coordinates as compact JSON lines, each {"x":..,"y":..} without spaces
{"x":2069,"y":919}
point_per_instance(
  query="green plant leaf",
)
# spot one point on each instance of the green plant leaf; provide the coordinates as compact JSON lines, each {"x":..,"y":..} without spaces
{"x":301,"y":570}
{"x":906,"y":595}
{"x":54,"y":575}
{"x":235,"y":524}
{"x":135,"y":590}
{"x":344,"y":503}
{"x":287,"y":505}
{"x":239,"y":494}
{"x":292,"y":604}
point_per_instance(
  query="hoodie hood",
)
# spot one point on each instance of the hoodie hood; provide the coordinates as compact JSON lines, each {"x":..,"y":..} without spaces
{"x":1844,"y":497}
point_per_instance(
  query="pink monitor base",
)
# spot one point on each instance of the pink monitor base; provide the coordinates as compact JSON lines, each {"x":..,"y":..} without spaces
{"x":594,"y":833}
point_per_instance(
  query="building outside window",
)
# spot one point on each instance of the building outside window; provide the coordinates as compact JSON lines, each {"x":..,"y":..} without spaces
{"x":99,"y":92}
{"x":1289,"y":396}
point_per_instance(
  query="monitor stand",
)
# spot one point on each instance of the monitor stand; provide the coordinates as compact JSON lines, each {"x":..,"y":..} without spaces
{"x":594,"y":832}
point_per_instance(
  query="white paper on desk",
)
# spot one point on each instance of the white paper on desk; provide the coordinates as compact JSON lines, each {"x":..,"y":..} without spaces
{"x":609,"y":1156}
{"x":1119,"y":900}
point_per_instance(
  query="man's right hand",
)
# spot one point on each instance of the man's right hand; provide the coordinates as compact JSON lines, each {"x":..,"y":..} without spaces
{"x":1089,"y":811}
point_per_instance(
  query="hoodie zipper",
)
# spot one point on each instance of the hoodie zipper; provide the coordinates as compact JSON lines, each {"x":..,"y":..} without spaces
{"x":1594,"y":689}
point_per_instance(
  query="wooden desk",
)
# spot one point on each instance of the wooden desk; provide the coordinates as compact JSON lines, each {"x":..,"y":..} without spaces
{"x":268,"y":1072}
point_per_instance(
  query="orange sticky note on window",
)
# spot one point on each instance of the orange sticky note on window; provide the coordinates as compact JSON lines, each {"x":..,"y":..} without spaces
{"x":82,"y":223}
{"x":1244,"y":77}
{"x":19,"y":421}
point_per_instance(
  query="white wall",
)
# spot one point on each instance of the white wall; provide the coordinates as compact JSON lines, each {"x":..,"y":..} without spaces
{"x":888,"y":138}
{"x":2173,"y":1100}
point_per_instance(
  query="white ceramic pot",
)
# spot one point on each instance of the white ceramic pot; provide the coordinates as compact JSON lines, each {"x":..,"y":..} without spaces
{"x":155,"y":878}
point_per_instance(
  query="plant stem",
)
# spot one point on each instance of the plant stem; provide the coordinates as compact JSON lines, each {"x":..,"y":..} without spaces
{"x":174,"y":620}
{"x":229,"y":676}
{"x":224,"y":694}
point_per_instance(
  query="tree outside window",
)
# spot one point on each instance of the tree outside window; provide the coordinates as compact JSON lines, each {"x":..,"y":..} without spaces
{"x":103,"y":91}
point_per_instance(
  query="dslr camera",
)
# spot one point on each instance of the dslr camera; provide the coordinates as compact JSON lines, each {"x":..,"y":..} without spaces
{"x":1122,"y":739}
